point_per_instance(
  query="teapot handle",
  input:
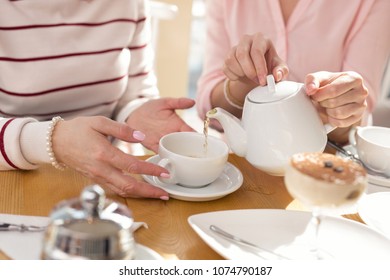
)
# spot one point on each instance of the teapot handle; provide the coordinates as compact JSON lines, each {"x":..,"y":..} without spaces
{"x":329,"y":128}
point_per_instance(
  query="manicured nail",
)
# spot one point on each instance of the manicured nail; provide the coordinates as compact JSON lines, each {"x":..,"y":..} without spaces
{"x":164,"y":197}
{"x":165,"y":175}
{"x":138,"y":135}
{"x":279,"y":75}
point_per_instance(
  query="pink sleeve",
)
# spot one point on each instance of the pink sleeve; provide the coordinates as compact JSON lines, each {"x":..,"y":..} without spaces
{"x":368,"y":45}
{"x":214,"y":55}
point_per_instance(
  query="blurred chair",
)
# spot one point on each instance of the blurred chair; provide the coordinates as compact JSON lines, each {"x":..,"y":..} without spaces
{"x":381,"y":114}
{"x":159,"y":11}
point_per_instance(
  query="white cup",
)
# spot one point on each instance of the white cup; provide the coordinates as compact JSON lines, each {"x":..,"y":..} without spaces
{"x":189,"y":162}
{"x":372,"y":144}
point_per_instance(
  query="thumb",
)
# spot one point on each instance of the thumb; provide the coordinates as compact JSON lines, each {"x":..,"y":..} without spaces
{"x":319,"y":79}
{"x":180,"y":103}
{"x":312,"y":84}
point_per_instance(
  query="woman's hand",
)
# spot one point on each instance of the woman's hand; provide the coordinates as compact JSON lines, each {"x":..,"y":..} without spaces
{"x":252,"y":59}
{"x":340,"y":97}
{"x":157,"y":117}
{"x":82,"y":144}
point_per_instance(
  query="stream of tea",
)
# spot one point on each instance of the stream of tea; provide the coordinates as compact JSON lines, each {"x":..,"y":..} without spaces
{"x":206,"y":123}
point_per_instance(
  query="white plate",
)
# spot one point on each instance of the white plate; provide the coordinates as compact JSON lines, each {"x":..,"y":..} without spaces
{"x":376,"y":180}
{"x":287,"y":233}
{"x":374,"y":209}
{"x":145,"y":253}
{"x":230,"y":181}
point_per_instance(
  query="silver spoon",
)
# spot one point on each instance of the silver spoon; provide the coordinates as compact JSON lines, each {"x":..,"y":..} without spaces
{"x":354,"y":157}
{"x":20,"y":227}
{"x":239,"y":240}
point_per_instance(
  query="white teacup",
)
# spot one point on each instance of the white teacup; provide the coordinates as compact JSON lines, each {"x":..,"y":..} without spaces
{"x":372,"y":144}
{"x":189,"y":161}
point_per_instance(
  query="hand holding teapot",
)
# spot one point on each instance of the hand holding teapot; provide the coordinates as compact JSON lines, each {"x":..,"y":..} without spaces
{"x":340,"y":96}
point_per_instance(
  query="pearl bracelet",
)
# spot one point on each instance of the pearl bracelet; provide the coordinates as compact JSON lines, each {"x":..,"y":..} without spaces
{"x":228,"y":96}
{"x":49,"y":146}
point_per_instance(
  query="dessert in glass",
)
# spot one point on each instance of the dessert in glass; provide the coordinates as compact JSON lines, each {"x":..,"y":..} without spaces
{"x":324,"y":181}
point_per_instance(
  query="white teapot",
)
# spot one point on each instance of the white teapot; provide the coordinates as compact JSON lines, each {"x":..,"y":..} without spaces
{"x":278,"y":121}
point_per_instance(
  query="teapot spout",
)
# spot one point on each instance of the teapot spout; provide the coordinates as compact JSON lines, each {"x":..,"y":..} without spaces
{"x":235,"y":133}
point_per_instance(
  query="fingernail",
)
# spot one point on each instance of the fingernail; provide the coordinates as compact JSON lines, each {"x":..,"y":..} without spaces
{"x":138,"y":135}
{"x":165,"y":175}
{"x":279,"y":75}
{"x":164,"y":197}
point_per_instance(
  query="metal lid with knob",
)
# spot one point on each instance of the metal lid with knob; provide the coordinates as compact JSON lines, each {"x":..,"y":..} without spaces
{"x":89,"y":227}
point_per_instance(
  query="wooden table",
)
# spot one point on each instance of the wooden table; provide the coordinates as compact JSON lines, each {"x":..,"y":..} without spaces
{"x":37,"y":192}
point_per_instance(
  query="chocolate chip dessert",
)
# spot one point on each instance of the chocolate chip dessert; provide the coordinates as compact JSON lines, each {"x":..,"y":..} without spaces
{"x":325,"y":180}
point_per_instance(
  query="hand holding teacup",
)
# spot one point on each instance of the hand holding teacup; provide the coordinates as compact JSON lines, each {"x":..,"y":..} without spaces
{"x":192,"y":162}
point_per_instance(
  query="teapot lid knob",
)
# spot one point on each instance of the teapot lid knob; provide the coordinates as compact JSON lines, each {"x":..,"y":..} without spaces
{"x":92,"y":200}
{"x":271,"y":84}
{"x":273,"y":92}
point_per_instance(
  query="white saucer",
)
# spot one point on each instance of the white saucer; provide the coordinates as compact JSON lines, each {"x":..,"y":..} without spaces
{"x":374,"y":209}
{"x":230,"y":181}
{"x":376,"y":180}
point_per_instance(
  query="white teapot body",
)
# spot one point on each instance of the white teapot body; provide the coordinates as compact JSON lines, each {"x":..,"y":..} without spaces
{"x":274,"y":126}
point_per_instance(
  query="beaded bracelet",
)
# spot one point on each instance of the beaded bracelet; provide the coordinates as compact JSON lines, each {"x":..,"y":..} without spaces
{"x":49,"y":146}
{"x":229,"y":98}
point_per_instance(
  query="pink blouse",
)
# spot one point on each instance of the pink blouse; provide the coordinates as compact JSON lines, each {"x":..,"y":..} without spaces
{"x":329,"y":35}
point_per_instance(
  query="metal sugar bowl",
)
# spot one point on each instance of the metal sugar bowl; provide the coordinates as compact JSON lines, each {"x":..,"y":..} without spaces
{"x":89,"y":227}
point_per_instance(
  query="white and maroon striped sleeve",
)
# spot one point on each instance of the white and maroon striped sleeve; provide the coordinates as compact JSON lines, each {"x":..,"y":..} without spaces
{"x":11,"y":152}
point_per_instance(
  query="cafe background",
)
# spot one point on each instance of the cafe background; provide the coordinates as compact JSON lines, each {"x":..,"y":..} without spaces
{"x":179,"y":42}
{"x":179,"y":34}
{"x":179,"y":39}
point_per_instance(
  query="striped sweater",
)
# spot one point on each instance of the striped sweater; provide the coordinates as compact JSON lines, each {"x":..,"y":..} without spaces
{"x":68,"y":58}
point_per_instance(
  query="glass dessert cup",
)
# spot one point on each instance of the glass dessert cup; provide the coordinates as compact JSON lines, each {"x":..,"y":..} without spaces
{"x":324,"y":182}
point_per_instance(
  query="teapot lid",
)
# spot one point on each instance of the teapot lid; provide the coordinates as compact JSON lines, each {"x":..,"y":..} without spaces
{"x":273,"y":91}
